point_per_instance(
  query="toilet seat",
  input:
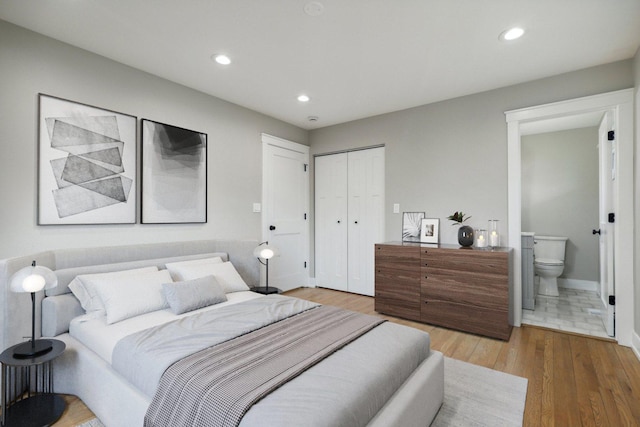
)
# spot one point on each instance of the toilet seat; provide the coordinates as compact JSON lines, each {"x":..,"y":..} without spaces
{"x":548,"y":261}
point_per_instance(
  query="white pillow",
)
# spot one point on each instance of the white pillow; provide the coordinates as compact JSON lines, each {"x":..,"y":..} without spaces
{"x":193,"y":294}
{"x":82,"y":286}
{"x":225,"y":273}
{"x":175,"y":266}
{"x":132,"y":295}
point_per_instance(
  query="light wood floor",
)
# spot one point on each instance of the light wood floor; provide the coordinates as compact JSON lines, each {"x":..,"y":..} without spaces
{"x":573,"y":380}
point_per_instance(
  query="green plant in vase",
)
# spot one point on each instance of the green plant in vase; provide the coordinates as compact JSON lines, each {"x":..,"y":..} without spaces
{"x":465,"y":232}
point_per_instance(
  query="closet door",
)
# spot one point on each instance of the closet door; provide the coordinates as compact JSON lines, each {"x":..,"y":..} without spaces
{"x":331,"y":221}
{"x":366,"y":217}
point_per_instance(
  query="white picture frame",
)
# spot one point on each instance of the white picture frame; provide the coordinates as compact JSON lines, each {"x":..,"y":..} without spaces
{"x":429,"y":230}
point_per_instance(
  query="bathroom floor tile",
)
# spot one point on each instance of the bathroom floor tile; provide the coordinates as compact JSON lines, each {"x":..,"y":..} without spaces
{"x":573,"y":311}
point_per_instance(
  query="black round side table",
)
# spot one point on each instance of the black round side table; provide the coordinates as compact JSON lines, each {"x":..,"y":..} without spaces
{"x":27,"y":388}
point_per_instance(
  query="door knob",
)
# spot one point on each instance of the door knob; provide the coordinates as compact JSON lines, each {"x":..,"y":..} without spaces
{"x":595,"y":231}
{"x":272,"y":227}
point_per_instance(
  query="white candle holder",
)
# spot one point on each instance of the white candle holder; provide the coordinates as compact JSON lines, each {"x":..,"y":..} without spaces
{"x":482,"y":239}
{"x":494,"y":236}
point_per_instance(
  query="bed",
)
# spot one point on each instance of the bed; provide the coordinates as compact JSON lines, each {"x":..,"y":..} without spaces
{"x":386,"y":376}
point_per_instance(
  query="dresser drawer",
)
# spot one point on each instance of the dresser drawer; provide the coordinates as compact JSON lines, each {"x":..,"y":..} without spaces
{"x":476,"y":261}
{"x":398,"y":257}
{"x":468,"y":288}
{"x":394,"y":307}
{"x":463,"y":317}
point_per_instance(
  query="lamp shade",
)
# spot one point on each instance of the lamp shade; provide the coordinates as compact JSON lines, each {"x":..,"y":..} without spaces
{"x":33,"y":279}
{"x":265,"y":251}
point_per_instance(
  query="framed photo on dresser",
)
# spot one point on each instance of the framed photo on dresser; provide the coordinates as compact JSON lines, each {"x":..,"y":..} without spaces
{"x":429,"y":230}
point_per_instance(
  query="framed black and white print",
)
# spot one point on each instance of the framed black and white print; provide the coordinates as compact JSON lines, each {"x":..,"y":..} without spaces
{"x":411,"y":222}
{"x":174,"y":174}
{"x":429,"y":230}
{"x":86,"y":164}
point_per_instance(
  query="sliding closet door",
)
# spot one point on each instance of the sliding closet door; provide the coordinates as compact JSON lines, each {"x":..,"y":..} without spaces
{"x":331,"y":221}
{"x":366,"y":216}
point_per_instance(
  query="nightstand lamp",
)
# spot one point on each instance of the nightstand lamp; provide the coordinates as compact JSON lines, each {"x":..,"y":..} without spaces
{"x":33,"y":279}
{"x":265,"y":252}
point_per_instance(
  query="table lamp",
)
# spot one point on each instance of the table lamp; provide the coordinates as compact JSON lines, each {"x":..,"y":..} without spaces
{"x":33,"y":279}
{"x":265,"y":252}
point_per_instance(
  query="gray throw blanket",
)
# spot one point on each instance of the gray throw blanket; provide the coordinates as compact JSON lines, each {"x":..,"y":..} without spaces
{"x":216,"y":386}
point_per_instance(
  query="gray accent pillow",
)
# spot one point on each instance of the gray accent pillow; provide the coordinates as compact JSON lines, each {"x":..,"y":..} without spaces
{"x":193,"y":294}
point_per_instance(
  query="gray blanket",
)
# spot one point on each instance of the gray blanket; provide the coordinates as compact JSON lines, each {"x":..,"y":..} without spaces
{"x":143,"y":357}
{"x":216,"y":386}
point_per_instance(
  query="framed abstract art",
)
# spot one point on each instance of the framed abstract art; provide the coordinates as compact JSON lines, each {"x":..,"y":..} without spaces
{"x":411,"y":222}
{"x":174,"y":174}
{"x":86,"y":164}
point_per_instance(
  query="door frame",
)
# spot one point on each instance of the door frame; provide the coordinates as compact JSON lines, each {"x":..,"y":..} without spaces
{"x":274,"y":141}
{"x":606,"y":204}
{"x":620,"y":103}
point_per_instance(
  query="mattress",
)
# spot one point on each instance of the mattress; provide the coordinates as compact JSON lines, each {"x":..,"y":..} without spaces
{"x":93,"y":331}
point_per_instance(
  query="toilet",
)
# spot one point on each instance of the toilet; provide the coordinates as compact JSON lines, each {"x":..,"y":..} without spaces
{"x":548,"y":264}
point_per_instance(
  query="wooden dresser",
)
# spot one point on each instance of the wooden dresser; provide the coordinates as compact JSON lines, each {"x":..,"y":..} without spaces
{"x":459,"y":288}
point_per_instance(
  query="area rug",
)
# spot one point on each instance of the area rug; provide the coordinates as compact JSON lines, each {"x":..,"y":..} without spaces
{"x":478,"y":396}
{"x":473,"y":396}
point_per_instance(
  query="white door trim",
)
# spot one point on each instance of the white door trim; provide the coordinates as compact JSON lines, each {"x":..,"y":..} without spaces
{"x":621,"y":104}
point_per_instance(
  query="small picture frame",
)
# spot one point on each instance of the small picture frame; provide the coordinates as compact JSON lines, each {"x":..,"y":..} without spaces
{"x":411,"y":222}
{"x":429,"y":230}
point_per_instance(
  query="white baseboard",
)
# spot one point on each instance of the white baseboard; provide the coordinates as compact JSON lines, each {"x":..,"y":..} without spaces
{"x":635,"y":344}
{"x":582,"y":285}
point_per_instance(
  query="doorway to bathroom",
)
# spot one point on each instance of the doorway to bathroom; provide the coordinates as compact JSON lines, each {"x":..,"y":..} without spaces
{"x":564,"y":115}
{"x":564,"y":183}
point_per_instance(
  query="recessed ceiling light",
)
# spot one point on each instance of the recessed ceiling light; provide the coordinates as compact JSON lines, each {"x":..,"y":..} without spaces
{"x":222,"y":59}
{"x":303,"y":98}
{"x":314,"y":8}
{"x":511,"y":34}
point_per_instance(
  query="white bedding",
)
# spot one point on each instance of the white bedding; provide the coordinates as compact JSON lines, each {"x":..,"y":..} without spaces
{"x":93,"y":331}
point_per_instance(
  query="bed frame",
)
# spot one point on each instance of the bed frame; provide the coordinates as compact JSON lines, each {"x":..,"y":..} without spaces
{"x":83,"y":373}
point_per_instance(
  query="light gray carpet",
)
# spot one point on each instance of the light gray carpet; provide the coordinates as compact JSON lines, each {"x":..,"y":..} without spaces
{"x":473,"y":396}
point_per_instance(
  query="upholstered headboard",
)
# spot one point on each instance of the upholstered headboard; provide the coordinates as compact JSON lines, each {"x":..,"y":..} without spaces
{"x":67,"y":263}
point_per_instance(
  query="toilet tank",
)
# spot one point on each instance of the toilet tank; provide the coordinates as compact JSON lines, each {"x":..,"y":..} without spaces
{"x":549,"y":247}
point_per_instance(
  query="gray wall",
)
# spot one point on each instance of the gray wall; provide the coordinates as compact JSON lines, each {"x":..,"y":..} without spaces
{"x":560,"y":194}
{"x":452,"y":155}
{"x":31,"y":63}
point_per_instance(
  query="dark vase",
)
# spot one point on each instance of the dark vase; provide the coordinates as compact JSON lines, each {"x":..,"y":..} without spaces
{"x":465,"y":236}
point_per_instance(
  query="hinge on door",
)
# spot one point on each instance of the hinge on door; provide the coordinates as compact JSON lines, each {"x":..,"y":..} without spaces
{"x":305,"y":167}
{"x":612,"y":217}
{"x":305,"y":216}
{"x":305,"y":264}
{"x":612,"y":300}
{"x":611,"y":135}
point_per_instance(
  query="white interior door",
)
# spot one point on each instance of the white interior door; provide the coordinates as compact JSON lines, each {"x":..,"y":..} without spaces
{"x":331,"y":221}
{"x":607,"y":177}
{"x":366,"y":217}
{"x":285,"y":213}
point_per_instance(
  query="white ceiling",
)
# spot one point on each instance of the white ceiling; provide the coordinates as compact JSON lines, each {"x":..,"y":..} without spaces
{"x":358,"y":58}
